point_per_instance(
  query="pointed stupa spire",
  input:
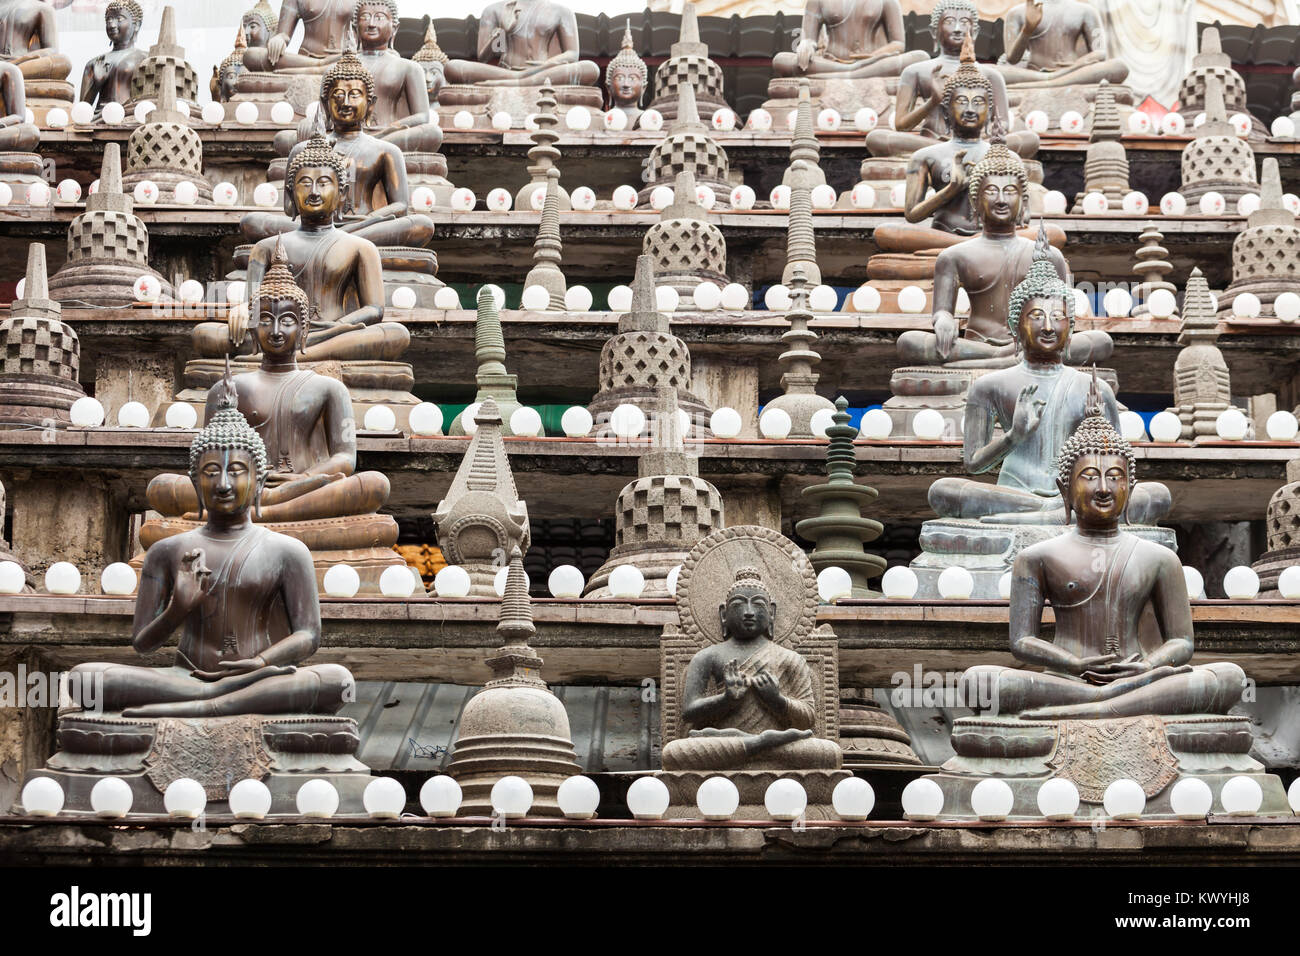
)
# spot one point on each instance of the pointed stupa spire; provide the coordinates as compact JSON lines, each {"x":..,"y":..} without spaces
{"x":645,"y":315}
{"x":36,"y":299}
{"x":804,"y":143}
{"x":1216,"y":114}
{"x":492,"y":377}
{"x":548,"y":248}
{"x":1271,"y":211}
{"x":109,"y":197}
{"x":166,"y":110}
{"x":1200,"y":324}
{"x":1105,"y":115}
{"x":690,"y":28}
{"x":167,"y":29}
{"x":800,"y":241}
{"x":688,"y":114}
{"x":686,"y":200}
{"x":668,"y":454}
{"x":515,"y":620}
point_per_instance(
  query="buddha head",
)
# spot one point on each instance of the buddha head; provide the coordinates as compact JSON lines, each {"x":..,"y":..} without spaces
{"x":1040,"y":311}
{"x":314,"y":182}
{"x":122,"y":21}
{"x":1095,"y":471}
{"x":433,"y":61}
{"x":280,"y":309}
{"x":231,"y":67}
{"x":627,"y":75}
{"x":347,"y":93}
{"x":375,"y":23}
{"x":967,"y":96}
{"x":227,"y":459}
{"x":999,"y":188}
{"x":952,"y":22}
{"x":258,"y":25}
{"x":748,"y":613}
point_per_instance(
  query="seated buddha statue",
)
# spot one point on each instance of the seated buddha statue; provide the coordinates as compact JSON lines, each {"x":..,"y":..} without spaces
{"x":1056,"y":43}
{"x":29,"y":39}
{"x":255,"y":29}
{"x":1101,"y":580}
{"x":325,"y":25}
{"x":377,"y":193}
{"x":626,"y":77}
{"x":863,"y":38}
{"x":525,"y":43}
{"x":433,"y":62}
{"x":16,"y":134}
{"x":339,"y":269}
{"x":920,"y":113}
{"x":401,"y":109}
{"x":107,"y":77}
{"x":242,"y":596}
{"x":747,"y":700}
{"x":1036,"y":403}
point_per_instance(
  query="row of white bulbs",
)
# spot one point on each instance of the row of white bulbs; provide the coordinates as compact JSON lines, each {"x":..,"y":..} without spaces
{"x":648,"y":798}
{"x":114,"y":114}
{"x":1058,"y":799}
{"x":1136,"y":203}
{"x":579,"y":119}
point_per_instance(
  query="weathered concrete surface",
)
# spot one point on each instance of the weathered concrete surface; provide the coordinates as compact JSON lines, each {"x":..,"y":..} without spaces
{"x":77,"y":517}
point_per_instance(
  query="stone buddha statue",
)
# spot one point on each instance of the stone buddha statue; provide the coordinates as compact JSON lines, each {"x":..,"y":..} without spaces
{"x":107,"y":77}
{"x":1055,"y":43}
{"x":376,"y":200}
{"x":848,"y":39}
{"x":400,"y":114}
{"x":433,"y":62}
{"x":626,"y":77}
{"x":325,"y":25}
{"x":16,"y":134}
{"x":1112,"y":692}
{"x":525,"y":43}
{"x":255,"y":29}
{"x":921,"y":106}
{"x":29,"y":40}
{"x":313,"y":490}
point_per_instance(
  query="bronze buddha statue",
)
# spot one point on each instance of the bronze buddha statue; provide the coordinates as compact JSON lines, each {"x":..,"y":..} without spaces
{"x":1056,"y":43}
{"x":525,"y":43}
{"x":107,"y":77}
{"x":401,"y":109}
{"x":862,"y":39}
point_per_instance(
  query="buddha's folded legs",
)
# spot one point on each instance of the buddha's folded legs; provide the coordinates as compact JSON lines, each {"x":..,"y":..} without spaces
{"x":729,"y":749}
{"x":415,"y":231}
{"x":50,"y":66}
{"x":1088,"y":74}
{"x":1204,"y":689}
{"x":363,"y":493}
{"x":313,"y":689}
{"x":582,"y":73}
{"x":1089,"y":347}
{"x":126,"y":686}
{"x":787,"y":64}
{"x":262,"y":225}
{"x":425,"y":138}
{"x":257,"y":60}
{"x":964,"y":498}
{"x":385,"y":342}
{"x":889,"y":142}
{"x":19,"y":138}
{"x":905,"y":237}
{"x":917,"y":347}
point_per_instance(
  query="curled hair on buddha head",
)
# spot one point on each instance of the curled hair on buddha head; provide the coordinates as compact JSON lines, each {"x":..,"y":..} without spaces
{"x":264,"y":13}
{"x":278,"y":285}
{"x":968,"y":75}
{"x":1095,"y":435}
{"x":348,"y":67}
{"x":389,"y":5}
{"x":626,"y":59}
{"x":1041,"y":282}
{"x":228,"y":429}
{"x":318,"y":153}
{"x":953,"y":6}
{"x":131,"y":8}
{"x":748,"y":578}
{"x":998,"y":161}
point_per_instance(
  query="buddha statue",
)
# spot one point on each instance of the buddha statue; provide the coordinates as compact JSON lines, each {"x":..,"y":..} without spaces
{"x":258,"y":24}
{"x":107,"y":77}
{"x":1055,"y":43}
{"x":16,"y":134}
{"x":255,"y":28}
{"x":325,"y":25}
{"x":376,"y":199}
{"x":400,"y":114}
{"x":626,"y":77}
{"x":306,"y":420}
{"x":1113,"y":692}
{"x":525,"y":43}
{"x":29,"y":40}
{"x":921,"y":110}
{"x":433,"y":62}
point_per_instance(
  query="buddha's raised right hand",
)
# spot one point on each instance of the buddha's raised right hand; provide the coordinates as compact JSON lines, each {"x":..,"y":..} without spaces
{"x":193,"y":581}
{"x":1033,"y":14}
{"x":734,"y":682}
{"x":1029,"y":412}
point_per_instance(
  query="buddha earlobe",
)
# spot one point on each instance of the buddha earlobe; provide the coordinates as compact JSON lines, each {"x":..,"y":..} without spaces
{"x":1065,"y":500}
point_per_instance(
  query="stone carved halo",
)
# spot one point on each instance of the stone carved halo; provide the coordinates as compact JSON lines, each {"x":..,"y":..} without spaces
{"x":710,"y":570}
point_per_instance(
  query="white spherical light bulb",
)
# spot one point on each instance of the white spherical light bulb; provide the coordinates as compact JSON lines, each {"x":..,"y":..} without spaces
{"x":404,"y":298}
{"x":583,"y":199}
{"x":266,"y":195}
{"x":1287,"y":307}
{"x":922,"y":799}
{"x":1246,"y":305}
{"x":779,"y":197}
{"x":62,"y":577}
{"x":1288,"y":583}
{"x":342,"y":581}
{"x":1194,"y":581}
{"x":1241,"y":583}
{"x":774,"y":424}
{"x":823,"y":299}
{"x":784,"y":799}
{"x":647,"y":798}
{"x":451,"y":582}
{"x":619,"y":298}
{"x":735,"y":297}
{"x":1131,"y":426}
{"x":440,"y":796}
{"x":147,"y":288}
{"x":670,"y":582}
{"x":1058,"y":799}
{"x":1165,"y":427}
{"x":225,"y":194}
{"x":899,"y":583}
{"x":911,"y":299}
{"x":928,"y":425}
{"x":1231,"y":425}
{"x":956,"y":584}
{"x":396,"y":582}
{"x":525,"y":422}
{"x":12,"y":578}
{"x":1054,"y":202}
{"x":705,"y":196}
{"x":1004,"y":586}
{"x":666,"y":298}
{"x":115,"y":113}
{"x":282,"y":113}
{"x":1172,"y":124}
{"x":83,"y":114}
{"x":1240,"y":123}
{"x":707,"y":296}
{"x":1241,"y":796}
{"x":626,"y":582}
{"x":1173,"y":204}
{"x":384,"y":798}
{"x":725,"y":423}
{"x":833,"y":584}
{"x":191,"y":291}
{"x":661,"y":197}
{"x":866,"y":299}
{"x":829,"y":120}
{"x":142,"y":110}
{"x":87,"y":413}
{"x":578,"y":797}
{"x":380,"y":418}
{"x":578,"y":118}
{"x":213,"y":113}
{"x":463,"y":119}
{"x":565,"y":582}
{"x":1124,"y":800}
{"x":615,"y":120}
{"x":743,"y":197}
{"x":250,"y":799}
{"x":576,"y":422}
{"x":777,"y":298}
{"x":1117,"y":302}
{"x":1071,"y":121}
{"x":426,"y":419}
{"x":717,"y":799}
{"x":536,"y":299}
{"x":111,"y":798}
{"x":1095,"y":203}
{"x":853,"y":799}
{"x":723,"y":119}
{"x":1212,"y":204}
{"x":118,"y":578}
{"x":1139,"y":122}
{"x":627,"y":421}
{"x":625,"y":198}
{"x":317,"y":799}
{"x":760,"y":120}
{"x":866,"y":119}
{"x":42,"y":797}
{"x":184,"y":799}
{"x":821,"y":420}
{"x":1283,"y":128}
{"x":463,"y":199}
{"x":500,"y":200}
{"x":823,"y":196}
{"x":69,"y":191}
{"x":246,"y":113}
{"x":1247,"y":204}
{"x":863,"y":196}
{"x":1293,"y":795}
{"x":876,"y":424}
{"x":1036,"y":120}
{"x":181,"y":415}
{"x":1191,"y":799}
{"x":511,"y":797}
{"x":991,"y":799}
{"x":446,"y":298}
{"x":1161,"y":304}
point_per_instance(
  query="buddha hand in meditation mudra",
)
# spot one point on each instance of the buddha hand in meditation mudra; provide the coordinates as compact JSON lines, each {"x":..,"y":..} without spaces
{"x":1056,"y":43}
{"x":749,"y":701}
{"x":921,"y":106}
{"x":107,"y":77}
{"x":525,"y":43}
{"x":863,"y":38}
{"x":400,"y":114}
{"x":325,"y":25}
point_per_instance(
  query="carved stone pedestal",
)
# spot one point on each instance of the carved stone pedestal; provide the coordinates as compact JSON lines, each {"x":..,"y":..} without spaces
{"x":20,"y":170}
{"x":519,"y":101}
{"x":846,"y":96}
{"x":918,"y":388}
{"x":283,"y":752}
{"x":1156,"y":752}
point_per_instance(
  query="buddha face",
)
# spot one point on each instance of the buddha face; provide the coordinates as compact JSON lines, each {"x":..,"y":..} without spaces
{"x":1044,"y":328}
{"x":375,"y":26}
{"x":315,"y":193}
{"x":1001,"y":199}
{"x":279,"y":327}
{"x":954,"y":27}
{"x":1099,"y":489}
{"x":226,"y":481}
{"x":626,"y":86}
{"x":348,"y":103}
{"x":229,"y":76}
{"x":254,"y":30}
{"x":119,"y":26}
{"x":748,"y":615}
{"x":969,"y":109}
{"x":436,"y":79}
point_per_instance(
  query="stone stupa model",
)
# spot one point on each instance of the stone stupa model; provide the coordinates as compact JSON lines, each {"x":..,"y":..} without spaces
{"x":108,"y":247}
{"x":548,"y":249}
{"x":543,"y":155}
{"x":688,"y":146}
{"x":1202,"y":384}
{"x":1217,"y":160}
{"x":164,"y":149}
{"x":1266,"y":254}
{"x":149,"y":80}
{"x":492,"y":378}
{"x":1105,"y":168}
{"x":688,"y":64}
{"x":686,"y":248}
